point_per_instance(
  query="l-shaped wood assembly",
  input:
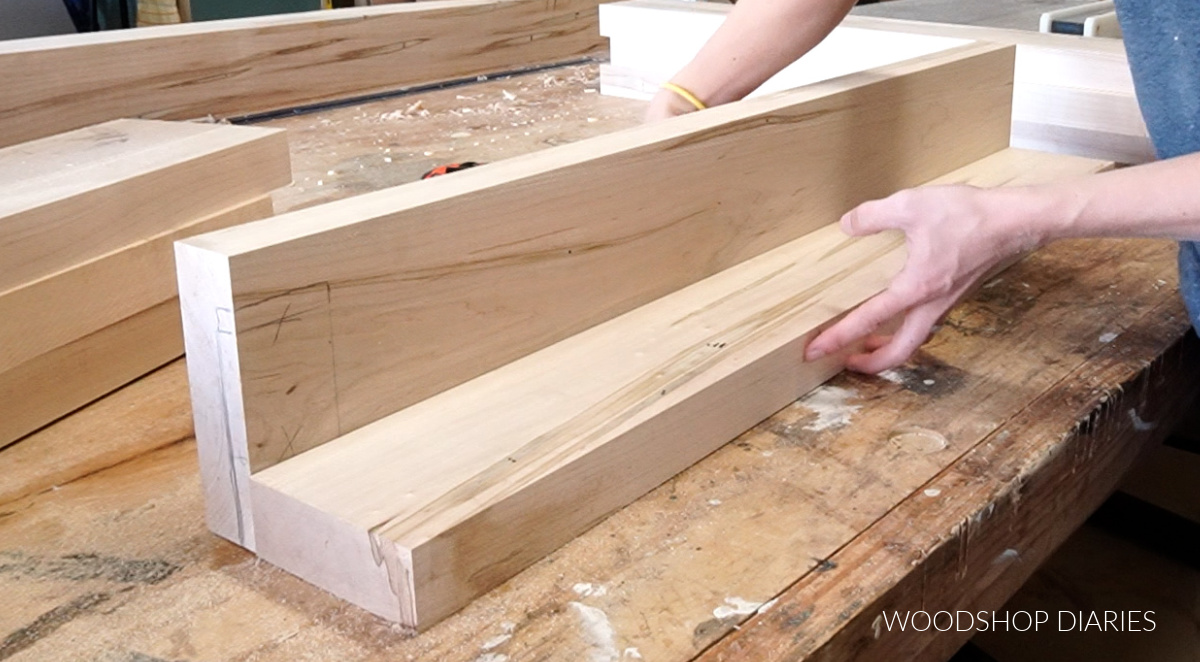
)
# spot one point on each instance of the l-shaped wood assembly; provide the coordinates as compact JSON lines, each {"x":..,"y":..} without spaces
{"x":409,"y":396}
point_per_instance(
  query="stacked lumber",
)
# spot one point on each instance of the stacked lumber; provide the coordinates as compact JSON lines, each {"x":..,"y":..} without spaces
{"x":87,"y":219}
{"x":1070,"y":95}
{"x":245,"y":66}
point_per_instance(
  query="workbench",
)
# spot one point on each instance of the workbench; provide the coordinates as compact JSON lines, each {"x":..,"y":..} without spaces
{"x":940,"y":485}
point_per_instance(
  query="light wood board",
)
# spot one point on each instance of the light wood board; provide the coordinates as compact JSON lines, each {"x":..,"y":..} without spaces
{"x":77,"y":335}
{"x":350,"y":311}
{"x":413,"y":516}
{"x":64,"y":306}
{"x":76,"y":196}
{"x":1071,"y":95}
{"x":241,"y":66}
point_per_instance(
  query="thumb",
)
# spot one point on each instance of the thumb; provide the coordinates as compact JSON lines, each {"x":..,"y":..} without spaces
{"x":864,"y":219}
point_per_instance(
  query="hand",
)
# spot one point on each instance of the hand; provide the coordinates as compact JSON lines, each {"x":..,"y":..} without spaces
{"x":955,"y":235}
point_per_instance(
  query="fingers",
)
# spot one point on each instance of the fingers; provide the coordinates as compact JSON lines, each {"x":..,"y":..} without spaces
{"x":858,"y":323}
{"x":875,"y":341}
{"x":912,"y":334}
{"x":871,"y":218}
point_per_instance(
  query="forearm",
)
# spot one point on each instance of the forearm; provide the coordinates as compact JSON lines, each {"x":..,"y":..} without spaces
{"x":756,"y":41}
{"x":1159,"y":199}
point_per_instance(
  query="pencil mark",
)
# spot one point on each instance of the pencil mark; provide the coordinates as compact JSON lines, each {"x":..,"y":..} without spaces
{"x":279,"y":326}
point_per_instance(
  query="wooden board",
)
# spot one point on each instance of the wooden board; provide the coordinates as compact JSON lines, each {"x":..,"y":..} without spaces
{"x":235,"y":67}
{"x":465,"y":489}
{"x":64,"y":306}
{"x":77,"y":196}
{"x":1071,"y":95}
{"x":148,"y":413}
{"x":83,"y":332}
{"x":350,"y":311}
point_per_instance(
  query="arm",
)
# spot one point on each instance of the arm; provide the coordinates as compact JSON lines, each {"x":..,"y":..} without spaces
{"x":956,"y":234}
{"x":757,"y":39}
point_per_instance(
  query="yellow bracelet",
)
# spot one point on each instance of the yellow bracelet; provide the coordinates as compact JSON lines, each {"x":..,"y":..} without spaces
{"x":691,"y":98}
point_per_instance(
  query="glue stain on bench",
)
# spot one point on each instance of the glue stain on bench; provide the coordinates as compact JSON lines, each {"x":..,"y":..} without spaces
{"x":832,"y":406}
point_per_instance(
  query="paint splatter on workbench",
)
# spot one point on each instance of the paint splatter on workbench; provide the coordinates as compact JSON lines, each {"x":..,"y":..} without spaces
{"x":832,"y":406}
{"x":598,"y":632}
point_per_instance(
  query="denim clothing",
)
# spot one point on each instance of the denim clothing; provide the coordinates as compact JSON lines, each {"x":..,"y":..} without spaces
{"x":1162,"y":38}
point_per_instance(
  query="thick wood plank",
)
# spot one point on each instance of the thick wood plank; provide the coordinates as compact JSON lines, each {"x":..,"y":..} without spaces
{"x":149,"y":413}
{"x":73,"y":197}
{"x":50,"y":385}
{"x":65,"y":306}
{"x":1071,"y":95}
{"x":650,"y":41}
{"x":78,"y":334}
{"x":530,"y":455}
{"x":353,"y":310}
{"x":1016,"y":497}
{"x":235,"y":67}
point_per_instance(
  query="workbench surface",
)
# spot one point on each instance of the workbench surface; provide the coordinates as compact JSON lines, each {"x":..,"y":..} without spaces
{"x":940,"y":485}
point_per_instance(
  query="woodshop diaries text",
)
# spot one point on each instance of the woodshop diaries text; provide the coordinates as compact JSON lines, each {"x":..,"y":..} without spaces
{"x":1017,"y":621}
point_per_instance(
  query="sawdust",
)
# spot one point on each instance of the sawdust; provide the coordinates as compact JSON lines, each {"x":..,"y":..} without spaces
{"x":394,"y":141}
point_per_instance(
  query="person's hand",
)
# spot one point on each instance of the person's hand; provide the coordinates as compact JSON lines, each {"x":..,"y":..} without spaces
{"x":955,"y":235}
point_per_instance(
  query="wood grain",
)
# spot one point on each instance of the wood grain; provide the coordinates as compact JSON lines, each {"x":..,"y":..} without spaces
{"x":350,"y":311}
{"x":76,"y":335}
{"x":64,"y":306}
{"x":57,"y":382}
{"x":463,"y":490}
{"x":467,"y":488}
{"x":241,"y":66}
{"x":1016,"y":497}
{"x":745,"y":522}
{"x":77,"y":196}
{"x":148,"y":413}
{"x":1070,"y":95}
{"x":654,"y":571}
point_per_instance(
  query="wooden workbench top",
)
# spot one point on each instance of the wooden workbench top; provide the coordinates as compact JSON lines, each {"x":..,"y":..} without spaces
{"x":940,"y":485}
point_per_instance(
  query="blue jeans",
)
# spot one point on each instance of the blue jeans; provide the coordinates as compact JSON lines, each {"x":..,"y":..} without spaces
{"x":1162,"y":38}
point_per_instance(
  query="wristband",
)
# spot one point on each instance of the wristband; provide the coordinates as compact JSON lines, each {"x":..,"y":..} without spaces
{"x":688,"y":96}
